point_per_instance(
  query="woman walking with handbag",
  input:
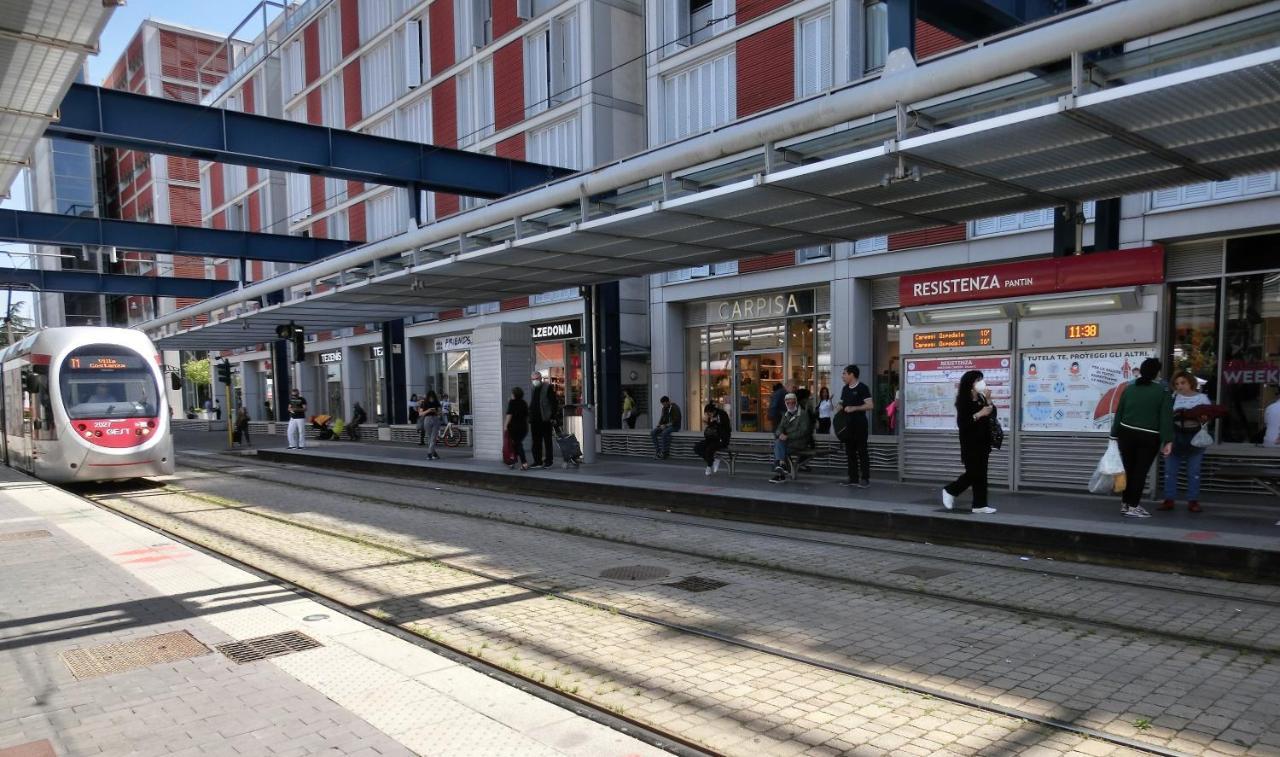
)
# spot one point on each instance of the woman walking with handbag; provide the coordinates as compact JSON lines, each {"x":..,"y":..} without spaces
{"x":1142,"y":428}
{"x":825,"y":411}
{"x":975,"y":416}
{"x":516,"y":424}
{"x":1189,"y":441}
{"x":429,"y":417}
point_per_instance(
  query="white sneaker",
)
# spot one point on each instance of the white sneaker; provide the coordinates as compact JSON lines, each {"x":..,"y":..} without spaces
{"x":948,"y":499}
{"x":715,"y":465}
{"x":984,"y":510}
{"x":708,"y":473}
{"x":1137,"y":511}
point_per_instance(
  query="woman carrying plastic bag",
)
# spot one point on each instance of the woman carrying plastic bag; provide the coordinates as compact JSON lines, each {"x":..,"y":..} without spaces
{"x":1110,"y":469}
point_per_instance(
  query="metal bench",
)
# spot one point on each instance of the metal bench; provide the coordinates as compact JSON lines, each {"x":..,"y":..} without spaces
{"x":801,"y":458}
{"x":1268,"y":477}
{"x":730,"y":457}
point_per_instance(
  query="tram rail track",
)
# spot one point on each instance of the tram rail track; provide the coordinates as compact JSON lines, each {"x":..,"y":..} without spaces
{"x":620,"y":513}
{"x":731,"y":640}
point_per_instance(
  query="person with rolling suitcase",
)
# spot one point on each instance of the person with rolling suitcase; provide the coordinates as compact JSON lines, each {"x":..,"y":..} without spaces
{"x":570,"y":449}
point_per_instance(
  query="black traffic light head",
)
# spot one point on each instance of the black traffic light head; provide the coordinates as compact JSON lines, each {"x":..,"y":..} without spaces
{"x":224,"y":372}
{"x":285,"y":330}
{"x":299,"y":344}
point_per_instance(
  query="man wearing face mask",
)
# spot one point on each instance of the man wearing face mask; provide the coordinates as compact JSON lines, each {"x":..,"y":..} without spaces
{"x":543,"y":411}
{"x":974,"y":415}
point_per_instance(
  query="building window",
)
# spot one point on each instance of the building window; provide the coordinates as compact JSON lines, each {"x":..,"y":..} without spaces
{"x":885,"y":329}
{"x":688,"y":22}
{"x":473,"y":25}
{"x":330,"y":40}
{"x":559,"y":295}
{"x":417,"y":67}
{"x":1213,"y":190}
{"x":483,"y":308}
{"x":374,"y":15}
{"x":699,"y":98}
{"x":729,"y":268}
{"x":812,"y":254}
{"x":292,"y":76}
{"x":556,"y":145}
{"x":531,"y":9}
{"x":1250,"y":350}
{"x":475,"y":103}
{"x":415,"y":121}
{"x":871,"y":244}
{"x":236,"y":220}
{"x":1031,"y":219}
{"x":332,"y":103}
{"x":814,"y":61}
{"x":552,"y":64}
{"x":875,"y":34}
{"x":384,"y":215}
{"x":377,"y":88}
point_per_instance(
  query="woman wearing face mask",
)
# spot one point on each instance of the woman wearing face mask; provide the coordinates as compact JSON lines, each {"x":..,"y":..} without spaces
{"x":1142,"y":428}
{"x":974,"y":416}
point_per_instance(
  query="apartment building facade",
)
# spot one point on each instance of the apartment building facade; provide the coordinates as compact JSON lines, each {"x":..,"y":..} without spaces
{"x":543,"y":81}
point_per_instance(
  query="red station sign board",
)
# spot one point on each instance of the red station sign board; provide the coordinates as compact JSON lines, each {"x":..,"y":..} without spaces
{"x":1096,"y":270}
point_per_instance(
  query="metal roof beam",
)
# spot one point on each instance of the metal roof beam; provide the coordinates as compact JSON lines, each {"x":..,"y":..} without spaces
{"x":151,"y":124}
{"x":855,"y":205}
{"x":52,"y":228}
{"x":1102,"y":125}
{"x":43,"y":41}
{"x":938,"y":165}
{"x":88,"y":282}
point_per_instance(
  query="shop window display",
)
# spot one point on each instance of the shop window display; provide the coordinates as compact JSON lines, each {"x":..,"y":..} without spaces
{"x":1250,"y":354}
{"x":885,"y":382}
{"x":1193,"y":332}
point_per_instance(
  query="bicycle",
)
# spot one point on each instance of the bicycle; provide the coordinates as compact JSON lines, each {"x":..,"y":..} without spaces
{"x":449,"y":433}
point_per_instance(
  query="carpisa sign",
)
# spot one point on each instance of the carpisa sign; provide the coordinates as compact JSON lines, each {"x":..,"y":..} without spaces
{"x":1142,"y":265}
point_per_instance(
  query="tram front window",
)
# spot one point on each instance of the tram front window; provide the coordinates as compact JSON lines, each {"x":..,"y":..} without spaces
{"x":107,"y":381}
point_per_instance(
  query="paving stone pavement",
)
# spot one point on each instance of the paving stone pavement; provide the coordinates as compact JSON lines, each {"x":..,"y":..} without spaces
{"x":735,"y":700}
{"x":1195,"y":697}
{"x":88,"y":577}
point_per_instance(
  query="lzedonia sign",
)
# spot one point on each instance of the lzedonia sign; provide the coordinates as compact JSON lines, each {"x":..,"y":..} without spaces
{"x":1096,"y":270}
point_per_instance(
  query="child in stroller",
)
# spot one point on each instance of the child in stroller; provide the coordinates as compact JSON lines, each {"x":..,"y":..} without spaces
{"x":321,"y":424}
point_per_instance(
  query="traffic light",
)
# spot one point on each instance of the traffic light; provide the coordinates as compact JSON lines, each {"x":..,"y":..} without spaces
{"x":224,"y":372}
{"x":295,"y":333}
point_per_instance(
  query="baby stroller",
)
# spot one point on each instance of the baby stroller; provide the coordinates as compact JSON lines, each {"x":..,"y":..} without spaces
{"x":321,"y":424}
{"x":570,"y":449}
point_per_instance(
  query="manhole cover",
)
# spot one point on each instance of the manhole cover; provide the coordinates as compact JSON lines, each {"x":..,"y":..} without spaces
{"x":635,"y":573}
{"x":697,"y":583}
{"x":919,"y":571}
{"x":129,"y":655}
{"x":23,"y":535}
{"x":262,"y":647}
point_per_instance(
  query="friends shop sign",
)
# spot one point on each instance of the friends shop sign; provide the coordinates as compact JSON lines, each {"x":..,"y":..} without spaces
{"x":1101,"y":270}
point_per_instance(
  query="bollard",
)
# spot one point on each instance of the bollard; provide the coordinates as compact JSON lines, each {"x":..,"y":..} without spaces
{"x":588,"y":434}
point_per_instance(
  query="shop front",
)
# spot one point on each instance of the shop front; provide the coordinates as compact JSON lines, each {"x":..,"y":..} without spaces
{"x":738,"y":349}
{"x":328,"y":371}
{"x":1057,"y":341}
{"x":374,"y":373}
{"x":557,"y":355}
{"x":449,"y":372}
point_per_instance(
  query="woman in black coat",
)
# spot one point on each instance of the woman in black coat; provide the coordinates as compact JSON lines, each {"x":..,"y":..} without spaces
{"x":974,"y":416}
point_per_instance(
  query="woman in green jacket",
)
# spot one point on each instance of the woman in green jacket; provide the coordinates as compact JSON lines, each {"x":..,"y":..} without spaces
{"x":1142,"y":427}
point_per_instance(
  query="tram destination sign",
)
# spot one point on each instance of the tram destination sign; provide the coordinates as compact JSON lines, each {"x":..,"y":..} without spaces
{"x":937,"y":340}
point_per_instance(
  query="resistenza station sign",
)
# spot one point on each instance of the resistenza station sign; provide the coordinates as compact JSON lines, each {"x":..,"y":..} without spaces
{"x":1098,"y":270}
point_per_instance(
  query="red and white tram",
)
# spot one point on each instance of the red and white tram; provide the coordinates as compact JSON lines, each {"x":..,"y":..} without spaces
{"x":85,"y":404}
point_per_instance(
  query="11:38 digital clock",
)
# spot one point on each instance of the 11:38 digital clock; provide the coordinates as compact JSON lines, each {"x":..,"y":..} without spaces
{"x":1083,"y":331}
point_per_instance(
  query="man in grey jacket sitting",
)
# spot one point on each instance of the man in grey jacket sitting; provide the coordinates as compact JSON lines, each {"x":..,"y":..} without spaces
{"x":793,"y":434}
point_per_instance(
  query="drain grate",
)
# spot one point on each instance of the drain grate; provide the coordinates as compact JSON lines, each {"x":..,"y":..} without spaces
{"x":24,"y":535}
{"x":130,"y":655}
{"x":635,"y":573}
{"x":697,"y":583}
{"x":262,"y":647}
{"x":919,"y":571}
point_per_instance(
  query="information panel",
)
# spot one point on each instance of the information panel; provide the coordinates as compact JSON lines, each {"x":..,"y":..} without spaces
{"x":931,"y":386}
{"x":936,"y":340}
{"x":1076,"y":391}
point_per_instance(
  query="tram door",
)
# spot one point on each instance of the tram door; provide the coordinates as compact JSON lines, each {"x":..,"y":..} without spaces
{"x":754,"y":375}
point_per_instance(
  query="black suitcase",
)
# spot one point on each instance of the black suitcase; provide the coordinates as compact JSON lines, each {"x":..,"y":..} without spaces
{"x":570,"y":449}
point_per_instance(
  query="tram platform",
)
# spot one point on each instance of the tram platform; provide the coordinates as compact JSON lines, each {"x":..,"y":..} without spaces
{"x":1238,"y":538}
{"x":112,"y":641}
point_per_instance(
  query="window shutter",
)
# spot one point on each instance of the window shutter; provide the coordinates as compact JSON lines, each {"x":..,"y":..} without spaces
{"x":678,"y":13}
{"x":524,"y":9}
{"x":563,"y":62}
{"x":478,"y":20}
{"x":1196,"y":192}
{"x":466,"y":112}
{"x":1229,"y":188}
{"x":1263,"y":182}
{"x":699,"y":271}
{"x":1164,"y":198}
{"x":412,"y":54}
{"x":984,"y":226}
{"x":295,"y":67}
{"x":721,"y":9}
{"x":537,"y":74}
{"x":485,"y":94}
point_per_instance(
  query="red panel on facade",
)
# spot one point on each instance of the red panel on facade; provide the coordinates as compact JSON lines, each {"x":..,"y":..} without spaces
{"x":941,"y":235}
{"x":515,"y":303}
{"x":504,"y":17}
{"x":315,"y":107}
{"x":351,"y":93}
{"x":930,"y":40}
{"x":766,"y":69}
{"x":447,"y":204}
{"x":451,"y":315}
{"x":180,"y":92}
{"x":508,"y":85}
{"x":441,"y":29}
{"x":217,"y":195}
{"x":188,"y":267}
{"x":444,"y":111}
{"x":317,"y":194}
{"x":247,"y":101}
{"x":768,"y":262}
{"x":350,"y":26}
{"x":311,"y":53}
{"x":749,"y":9}
{"x":355,"y":221}
{"x":354,"y":188}
{"x":222,"y":271}
{"x":184,"y":206}
{"x":183,"y":169}
{"x":219,"y":220}
{"x":320,"y":229}
{"x":511,"y":147}
{"x":254,"y":205}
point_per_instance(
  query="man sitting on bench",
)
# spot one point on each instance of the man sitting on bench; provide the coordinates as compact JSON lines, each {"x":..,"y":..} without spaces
{"x":715,"y":436}
{"x":793,"y":435}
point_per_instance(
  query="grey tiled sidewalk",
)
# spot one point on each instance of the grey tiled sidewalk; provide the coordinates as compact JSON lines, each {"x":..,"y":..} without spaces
{"x":77,"y":577}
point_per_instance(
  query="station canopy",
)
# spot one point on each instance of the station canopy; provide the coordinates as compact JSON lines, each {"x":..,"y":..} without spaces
{"x":1200,"y":108}
{"x":42,"y":48}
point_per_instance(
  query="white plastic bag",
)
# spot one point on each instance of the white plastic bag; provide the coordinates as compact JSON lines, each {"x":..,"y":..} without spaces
{"x":1202,"y":438}
{"x":1111,"y":462}
{"x":1101,"y":483}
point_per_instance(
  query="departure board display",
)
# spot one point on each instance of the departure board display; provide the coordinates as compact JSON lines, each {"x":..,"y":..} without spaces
{"x":106,"y":363}
{"x":936,"y":340}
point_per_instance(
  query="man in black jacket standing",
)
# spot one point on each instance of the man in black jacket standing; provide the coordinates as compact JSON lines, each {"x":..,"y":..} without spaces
{"x":855,"y":399}
{"x":544,"y":409}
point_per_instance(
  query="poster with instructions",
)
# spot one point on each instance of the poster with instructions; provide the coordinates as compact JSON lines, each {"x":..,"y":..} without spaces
{"x":931,"y":385}
{"x":1076,"y":391}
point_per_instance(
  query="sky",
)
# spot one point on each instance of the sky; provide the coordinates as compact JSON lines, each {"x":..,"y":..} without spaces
{"x":217,"y":16}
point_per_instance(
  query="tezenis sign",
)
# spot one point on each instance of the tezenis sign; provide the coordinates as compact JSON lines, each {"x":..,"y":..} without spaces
{"x":1098,"y":270}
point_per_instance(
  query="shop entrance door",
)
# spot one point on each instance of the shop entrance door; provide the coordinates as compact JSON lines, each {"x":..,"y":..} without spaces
{"x":754,"y":378}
